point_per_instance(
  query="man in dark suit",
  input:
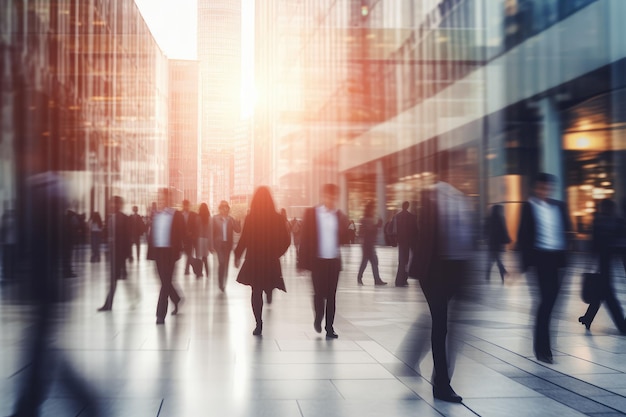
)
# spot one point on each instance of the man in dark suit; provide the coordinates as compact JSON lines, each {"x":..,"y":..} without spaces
{"x":165,"y":244}
{"x":118,"y":233}
{"x":324,"y":229}
{"x":191,"y":233}
{"x":406,"y":225}
{"x":223,"y":228}
{"x":442,"y":250}
{"x":542,"y":241}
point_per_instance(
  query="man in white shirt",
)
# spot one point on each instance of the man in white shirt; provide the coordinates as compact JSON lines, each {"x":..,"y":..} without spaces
{"x":542,"y":241}
{"x":165,"y":244}
{"x":324,"y":229}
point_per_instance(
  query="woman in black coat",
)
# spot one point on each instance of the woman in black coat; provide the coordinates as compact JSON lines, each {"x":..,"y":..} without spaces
{"x":265,"y":239}
{"x":607,"y":230}
{"x":497,"y":237}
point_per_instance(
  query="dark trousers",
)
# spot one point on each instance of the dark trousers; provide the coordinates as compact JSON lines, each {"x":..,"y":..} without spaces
{"x":325,"y":276}
{"x":9,"y":254}
{"x":495,"y":255}
{"x":96,"y":237}
{"x":403,"y":260}
{"x":607,"y":294}
{"x":439,"y":289}
{"x":135,"y":242}
{"x":188,"y":249}
{"x":369,"y":255}
{"x":117,"y":264}
{"x":547,"y":267}
{"x":165,"y":262}
{"x":223,"y":258}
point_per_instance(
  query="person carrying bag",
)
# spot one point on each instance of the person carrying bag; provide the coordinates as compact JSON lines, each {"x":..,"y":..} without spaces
{"x":597,"y":287}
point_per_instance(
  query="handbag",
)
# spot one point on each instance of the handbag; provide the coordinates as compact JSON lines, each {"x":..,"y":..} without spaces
{"x":591,"y":287}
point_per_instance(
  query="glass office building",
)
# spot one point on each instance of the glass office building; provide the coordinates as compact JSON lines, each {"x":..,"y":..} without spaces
{"x":85,"y":84}
{"x":497,"y":89}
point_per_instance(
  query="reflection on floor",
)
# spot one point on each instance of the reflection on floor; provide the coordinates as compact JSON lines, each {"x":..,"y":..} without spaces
{"x":205,"y":360}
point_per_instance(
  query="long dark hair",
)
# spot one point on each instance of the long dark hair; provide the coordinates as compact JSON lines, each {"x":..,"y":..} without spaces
{"x":262,"y":207}
{"x":204,"y":213}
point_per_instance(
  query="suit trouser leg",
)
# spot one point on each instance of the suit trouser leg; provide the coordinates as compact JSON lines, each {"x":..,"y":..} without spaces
{"x":374,"y":262}
{"x":325,"y":277}
{"x":165,"y":267}
{"x":549,"y":283}
{"x":364,"y":260}
{"x":223,"y":258}
{"x":403,"y":260}
{"x":438,"y":305}
{"x":333,"y":280}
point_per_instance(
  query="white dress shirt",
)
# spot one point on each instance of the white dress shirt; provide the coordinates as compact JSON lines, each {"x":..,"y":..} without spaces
{"x":162,"y":225}
{"x":327,"y":232}
{"x":549,"y":230}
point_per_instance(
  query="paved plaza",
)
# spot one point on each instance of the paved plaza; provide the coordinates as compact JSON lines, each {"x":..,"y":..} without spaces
{"x":205,"y":361}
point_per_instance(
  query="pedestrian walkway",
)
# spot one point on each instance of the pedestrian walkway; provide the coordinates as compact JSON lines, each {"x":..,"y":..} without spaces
{"x":205,"y":361}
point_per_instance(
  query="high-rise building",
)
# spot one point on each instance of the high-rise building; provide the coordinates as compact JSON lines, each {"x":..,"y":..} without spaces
{"x":219,"y":55}
{"x":184,"y":129}
{"x":84,"y":84}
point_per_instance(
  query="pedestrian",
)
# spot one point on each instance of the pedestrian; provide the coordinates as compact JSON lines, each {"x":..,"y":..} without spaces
{"x":204,"y":244}
{"x":542,"y":240}
{"x":165,"y":244}
{"x":324,"y":229}
{"x":95,"y":228}
{"x":191,"y":233}
{"x":138,"y":228}
{"x":370,"y":224}
{"x":223,"y":228}
{"x":118,"y":236}
{"x":8,"y":239}
{"x":264,"y":239}
{"x":406,"y":227}
{"x":443,"y":242}
{"x":497,"y":237}
{"x":607,"y":230}
{"x":351,"y":232}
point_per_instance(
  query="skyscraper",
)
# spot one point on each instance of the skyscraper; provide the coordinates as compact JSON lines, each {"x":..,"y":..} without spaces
{"x":219,"y":54}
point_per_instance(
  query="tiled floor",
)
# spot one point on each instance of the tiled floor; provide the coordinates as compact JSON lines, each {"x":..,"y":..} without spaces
{"x":205,"y":360}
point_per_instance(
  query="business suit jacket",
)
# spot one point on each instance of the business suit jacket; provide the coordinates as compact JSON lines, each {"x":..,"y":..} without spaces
{"x":191,"y":227}
{"x":119,"y":235}
{"x":406,"y":226}
{"x":231,"y":226}
{"x":527,"y":233}
{"x":309,"y":241}
{"x":177,"y":236}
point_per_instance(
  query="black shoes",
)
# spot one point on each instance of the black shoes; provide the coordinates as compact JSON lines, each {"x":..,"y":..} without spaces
{"x":258,"y":329}
{"x":359,"y":281}
{"x":104,"y":308}
{"x":160,"y":321}
{"x":268,"y":295}
{"x":380,"y":282}
{"x":582,"y":320}
{"x":447,"y":394}
{"x":330,"y":334}
{"x":546,"y":358}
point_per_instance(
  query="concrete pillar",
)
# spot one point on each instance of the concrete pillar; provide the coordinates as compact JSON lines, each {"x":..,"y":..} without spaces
{"x":551,"y":145}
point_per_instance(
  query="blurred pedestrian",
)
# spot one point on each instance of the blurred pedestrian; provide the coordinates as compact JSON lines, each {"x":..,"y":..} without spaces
{"x":118,"y":236}
{"x":542,"y":240}
{"x":204,"y":245}
{"x":165,"y":244}
{"x":497,"y":237}
{"x":46,"y":203}
{"x":223,"y":228}
{"x":8,"y":239}
{"x":295,"y":226}
{"x":370,"y":224}
{"x":351,"y":232}
{"x":191,"y":233}
{"x":95,"y":228}
{"x":265,"y":238}
{"x":137,"y":229}
{"x":406,"y":228}
{"x":607,"y":230}
{"x":324,"y":229}
{"x":442,"y":250}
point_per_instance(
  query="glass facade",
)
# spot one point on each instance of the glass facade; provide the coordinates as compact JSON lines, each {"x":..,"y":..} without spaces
{"x":84,"y":85}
